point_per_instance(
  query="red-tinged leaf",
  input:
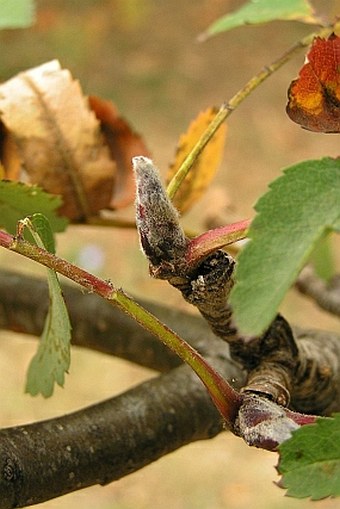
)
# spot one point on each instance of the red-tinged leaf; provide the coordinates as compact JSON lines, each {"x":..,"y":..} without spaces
{"x":123,"y":144}
{"x":314,"y":98}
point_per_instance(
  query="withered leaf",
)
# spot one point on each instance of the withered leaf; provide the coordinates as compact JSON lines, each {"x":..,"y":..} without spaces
{"x":123,"y":144}
{"x":206,"y":165}
{"x":314,"y":98}
{"x":10,"y":158}
{"x":58,"y":138}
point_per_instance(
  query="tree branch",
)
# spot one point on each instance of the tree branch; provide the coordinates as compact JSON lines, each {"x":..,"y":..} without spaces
{"x":326,"y":295}
{"x":106,"y":441}
{"x":99,"y":326}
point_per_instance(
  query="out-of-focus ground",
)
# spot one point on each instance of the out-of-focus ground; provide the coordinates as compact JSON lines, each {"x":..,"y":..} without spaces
{"x":145,"y":57}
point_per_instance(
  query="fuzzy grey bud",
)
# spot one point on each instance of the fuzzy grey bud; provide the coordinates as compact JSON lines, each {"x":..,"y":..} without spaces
{"x":161,"y":236}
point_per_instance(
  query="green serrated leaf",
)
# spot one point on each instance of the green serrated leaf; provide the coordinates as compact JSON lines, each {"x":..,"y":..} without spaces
{"x":300,"y":207}
{"x":16,"y":13}
{"x":310,"y":460}
{"x":18,"y":200}
{"x":263,"y":11}
{"x":52,"y":359}
{"x":322,"y":259}
{"x":44,"y":231}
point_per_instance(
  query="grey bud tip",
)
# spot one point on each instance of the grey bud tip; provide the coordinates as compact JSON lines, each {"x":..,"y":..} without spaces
{"x":140,"y":162}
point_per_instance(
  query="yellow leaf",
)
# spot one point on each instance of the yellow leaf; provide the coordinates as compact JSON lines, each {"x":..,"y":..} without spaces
{"x":205,"y":166}
{"x":58,"y":138}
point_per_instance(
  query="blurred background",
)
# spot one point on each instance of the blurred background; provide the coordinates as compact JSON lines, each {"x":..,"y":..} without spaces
{"x":144,"y":56}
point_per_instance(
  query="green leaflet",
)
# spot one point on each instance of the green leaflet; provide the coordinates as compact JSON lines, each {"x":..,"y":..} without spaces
{"x":43,"y":233}
{"x":18,"y":200}
{"x":322,"y":259}
{"x":310,"y":460}
{"x":16,"y":13}
{"x":263,"y":11}
{"x":300,"y":207}
{"x":52,"y":359}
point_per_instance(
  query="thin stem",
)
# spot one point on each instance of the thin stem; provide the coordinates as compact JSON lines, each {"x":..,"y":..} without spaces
{"x":217,"y":238}
{"x":226,"y":399}
{"x":6,"y":240}
{"x":227,"y":108}
{"x":188,"y":162}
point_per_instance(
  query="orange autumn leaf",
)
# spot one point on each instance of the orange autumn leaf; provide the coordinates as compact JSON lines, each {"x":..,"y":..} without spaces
{"x":123,"y":144}
{"x":57,"y":138}
{"x":206,"y":165}
{"x":314,"y":97}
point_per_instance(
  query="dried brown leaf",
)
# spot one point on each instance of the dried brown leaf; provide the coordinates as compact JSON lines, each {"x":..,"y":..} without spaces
{"x":205,"y":167}
{"x":58,"y":138}
{"x":9,"y":156}
{"x":123,"y":144}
